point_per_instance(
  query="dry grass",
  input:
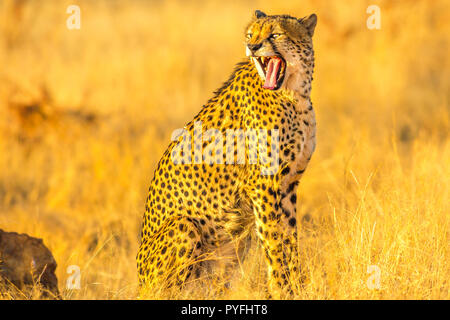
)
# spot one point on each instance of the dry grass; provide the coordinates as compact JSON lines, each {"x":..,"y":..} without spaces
{"x":85,"y":115}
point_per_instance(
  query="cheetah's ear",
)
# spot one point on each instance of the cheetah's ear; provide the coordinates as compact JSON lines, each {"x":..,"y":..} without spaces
{"x":309,"y":23}
{"x":260,"y":14}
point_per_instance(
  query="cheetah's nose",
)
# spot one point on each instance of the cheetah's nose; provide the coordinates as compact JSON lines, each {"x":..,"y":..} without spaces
{"x":254,"y":47}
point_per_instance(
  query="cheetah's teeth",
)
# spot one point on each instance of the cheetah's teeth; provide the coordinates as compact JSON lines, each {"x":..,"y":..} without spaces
{"x":259,"y":68}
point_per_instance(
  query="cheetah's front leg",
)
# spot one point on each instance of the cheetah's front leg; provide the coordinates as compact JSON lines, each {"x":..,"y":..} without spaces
{"x":275,"y":216}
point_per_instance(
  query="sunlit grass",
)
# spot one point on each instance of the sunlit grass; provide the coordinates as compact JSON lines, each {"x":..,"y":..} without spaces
{"x":86,"y":114}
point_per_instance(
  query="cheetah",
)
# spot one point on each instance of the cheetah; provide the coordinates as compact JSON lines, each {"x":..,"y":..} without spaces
{"x":200,"y":215}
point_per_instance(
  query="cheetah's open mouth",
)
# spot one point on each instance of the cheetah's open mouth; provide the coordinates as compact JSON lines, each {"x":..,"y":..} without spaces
{"x":271,"y":70}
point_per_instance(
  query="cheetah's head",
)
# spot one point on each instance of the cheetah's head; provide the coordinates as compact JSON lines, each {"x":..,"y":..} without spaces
{"x":280,"y":46}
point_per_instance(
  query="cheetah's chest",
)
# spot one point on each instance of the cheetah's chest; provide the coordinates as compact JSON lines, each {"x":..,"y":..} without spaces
{"x":298,"y":139}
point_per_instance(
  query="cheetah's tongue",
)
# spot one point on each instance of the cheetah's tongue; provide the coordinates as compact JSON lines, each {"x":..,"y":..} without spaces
{"x":272,"y":73}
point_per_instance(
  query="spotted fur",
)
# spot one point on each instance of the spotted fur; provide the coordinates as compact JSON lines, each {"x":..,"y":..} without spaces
{"x":200,"y":217}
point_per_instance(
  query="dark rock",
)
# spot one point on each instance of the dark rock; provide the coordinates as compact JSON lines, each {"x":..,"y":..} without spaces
{"x":25,"y":262}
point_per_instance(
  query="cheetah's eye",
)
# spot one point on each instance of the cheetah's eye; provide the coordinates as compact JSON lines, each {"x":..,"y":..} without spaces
{"x":249,"y":36}
{"x":275,"y":35}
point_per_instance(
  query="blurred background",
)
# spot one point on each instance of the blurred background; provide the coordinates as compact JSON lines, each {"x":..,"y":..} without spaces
{"x":85,"y":115}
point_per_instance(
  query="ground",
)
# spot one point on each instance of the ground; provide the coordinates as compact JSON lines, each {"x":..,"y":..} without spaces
{"x":86,"y":114}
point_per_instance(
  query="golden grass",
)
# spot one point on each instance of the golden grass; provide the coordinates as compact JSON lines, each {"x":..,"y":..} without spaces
{"x":85,"y":116}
